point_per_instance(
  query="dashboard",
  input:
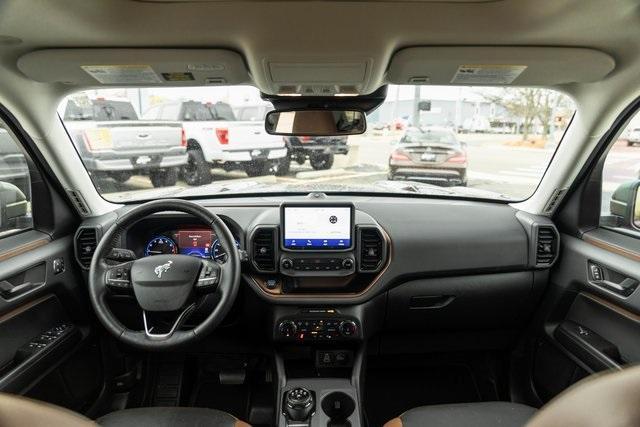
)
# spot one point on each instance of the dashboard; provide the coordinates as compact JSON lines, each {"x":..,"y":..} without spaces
{"x":426,"y":263}
{"x":333,"y":249}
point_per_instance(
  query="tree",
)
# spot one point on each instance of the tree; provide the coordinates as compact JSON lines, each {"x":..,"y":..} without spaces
{"x":529,"y":104}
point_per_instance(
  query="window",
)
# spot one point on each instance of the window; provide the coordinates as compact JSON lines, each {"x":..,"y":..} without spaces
{"x":197,"y":112}
{"x":15,"y":186}
{"x":222,"y":111}
{"x":99,"y":109}
{"x":449,"y":141}
{"x":250,"y":114}
{"x":428,"y":136}
{"x":621,"y":180}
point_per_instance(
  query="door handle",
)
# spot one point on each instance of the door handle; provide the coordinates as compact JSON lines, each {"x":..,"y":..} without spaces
{"x":7,"y":290}
{"x":602,"y":276}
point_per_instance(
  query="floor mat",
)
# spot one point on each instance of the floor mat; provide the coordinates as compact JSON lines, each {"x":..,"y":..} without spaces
{"x":389,"y":392}
{"x":229,"y":398}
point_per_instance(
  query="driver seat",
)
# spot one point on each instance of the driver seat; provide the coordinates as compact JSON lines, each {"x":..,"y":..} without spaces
{"x":21,"y":411}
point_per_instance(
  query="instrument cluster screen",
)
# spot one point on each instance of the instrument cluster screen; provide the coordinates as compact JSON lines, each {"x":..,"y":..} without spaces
{"x":317,"y":227}
{"x":195,"y":242}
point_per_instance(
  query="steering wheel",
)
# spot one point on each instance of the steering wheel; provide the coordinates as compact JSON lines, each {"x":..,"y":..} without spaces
{"x":163,"y":285}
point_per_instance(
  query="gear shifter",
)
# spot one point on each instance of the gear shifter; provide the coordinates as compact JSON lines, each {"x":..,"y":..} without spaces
{"x":299,"y":404}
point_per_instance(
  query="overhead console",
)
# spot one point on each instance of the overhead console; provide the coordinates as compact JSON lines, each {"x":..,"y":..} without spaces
{"x":318,"y":248}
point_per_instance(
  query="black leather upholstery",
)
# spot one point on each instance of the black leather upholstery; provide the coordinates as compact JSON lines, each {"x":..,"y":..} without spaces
{"x":169,"y":417}
{"x":481,"y":414}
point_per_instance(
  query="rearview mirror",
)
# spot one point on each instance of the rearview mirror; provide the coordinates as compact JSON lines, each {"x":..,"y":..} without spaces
{"x":315,"y":123}
{"x":624,"y":204}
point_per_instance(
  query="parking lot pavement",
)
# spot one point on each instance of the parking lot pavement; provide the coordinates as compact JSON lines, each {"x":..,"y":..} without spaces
{"x":493,"y":166}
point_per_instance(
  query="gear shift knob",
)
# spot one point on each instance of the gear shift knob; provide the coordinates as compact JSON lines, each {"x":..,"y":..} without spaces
{"x":298,"y":404}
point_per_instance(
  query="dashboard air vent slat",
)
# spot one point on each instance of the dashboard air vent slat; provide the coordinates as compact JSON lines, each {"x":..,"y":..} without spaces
{"x":263,"y":250}
{"x":546,"y":246}
{"x":86,"y":243}
{"x":371,"y":249}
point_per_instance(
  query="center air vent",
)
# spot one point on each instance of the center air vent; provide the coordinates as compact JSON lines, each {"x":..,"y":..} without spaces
{"x":85,"y":245}
{"x":263,"y":249}
{"x":372,"y":249}
{"x":546,"y":246}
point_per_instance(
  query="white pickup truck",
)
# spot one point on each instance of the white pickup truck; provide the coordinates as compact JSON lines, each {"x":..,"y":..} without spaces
{"x":114,"y":143}
{"x":216,"y":139}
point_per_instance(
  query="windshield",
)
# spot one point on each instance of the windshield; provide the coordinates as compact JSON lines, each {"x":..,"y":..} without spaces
{"x":484,"y":142}
{"x":428,"y":136}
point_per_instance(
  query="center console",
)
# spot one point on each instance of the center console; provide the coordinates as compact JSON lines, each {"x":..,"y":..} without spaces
{"x":319,"y":353}
{"x":317,"y":248}
{"x":314,"y":250}
{"x":320,"y":402}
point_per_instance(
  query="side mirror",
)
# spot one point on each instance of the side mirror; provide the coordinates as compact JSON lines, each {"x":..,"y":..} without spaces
{"x":14,"y":208}
{"x":625,"y":206}
{"x":315,"y":122}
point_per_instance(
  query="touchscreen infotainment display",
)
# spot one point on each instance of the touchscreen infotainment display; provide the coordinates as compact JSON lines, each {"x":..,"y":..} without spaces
{"x":317,"y":227}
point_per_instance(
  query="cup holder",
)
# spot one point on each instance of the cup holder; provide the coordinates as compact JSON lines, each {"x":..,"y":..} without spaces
{"x":338,"y":407}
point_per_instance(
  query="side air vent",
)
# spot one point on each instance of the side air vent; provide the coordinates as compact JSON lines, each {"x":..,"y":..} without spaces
{"x":546,"y":246}
{"x":372,"y":249}
{"x":78,"y":202}
{"x":263,"y":249}
{"x":85,"y":245}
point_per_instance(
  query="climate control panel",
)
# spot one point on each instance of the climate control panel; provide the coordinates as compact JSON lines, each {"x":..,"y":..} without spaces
{"x":317,"y":329}
{"x":310,"y":265}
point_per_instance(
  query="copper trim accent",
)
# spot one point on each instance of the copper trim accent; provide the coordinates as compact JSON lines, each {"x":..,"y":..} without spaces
{"x":621,"y":311}
{"x":325,"y":282}
{"x":611,"y":247}
{"x":276,"y":293}
{"x":396,"y":422}
{"x":19,"y":250}
{"x":22,"y":308}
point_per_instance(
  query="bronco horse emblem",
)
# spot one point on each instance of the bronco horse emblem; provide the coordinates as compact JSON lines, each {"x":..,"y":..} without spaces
{"x":162,"y":268}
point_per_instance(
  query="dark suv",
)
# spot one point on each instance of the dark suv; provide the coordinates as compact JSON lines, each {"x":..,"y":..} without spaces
{"x":319,"y":150}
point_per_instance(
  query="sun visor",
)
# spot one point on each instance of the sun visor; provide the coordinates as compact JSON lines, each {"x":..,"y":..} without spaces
{"x":135,"y":67}
{"x":492,"y":65}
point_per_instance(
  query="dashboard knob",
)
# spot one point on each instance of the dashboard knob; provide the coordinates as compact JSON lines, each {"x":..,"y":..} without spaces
{"x":287,"y":264}
{"x":348,"y":328}
{"x":347,"y":263}
{"x":287,"y":328}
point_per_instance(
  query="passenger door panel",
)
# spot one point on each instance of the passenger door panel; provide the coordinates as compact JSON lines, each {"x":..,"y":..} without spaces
{"x":590,"y":322}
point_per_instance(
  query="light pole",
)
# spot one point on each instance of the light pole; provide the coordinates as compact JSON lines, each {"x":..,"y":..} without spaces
{"x":415,"y":120}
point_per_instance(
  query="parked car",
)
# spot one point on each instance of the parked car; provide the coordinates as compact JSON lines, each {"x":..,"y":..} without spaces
{"x":216,"y":138}
{"x":476,"y":124}
{"x":13,"y":166}
{"x":114,"y":143}
{"x":432,"y":154}
{"x":319,"y":150}
{"x":633,"y":137}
